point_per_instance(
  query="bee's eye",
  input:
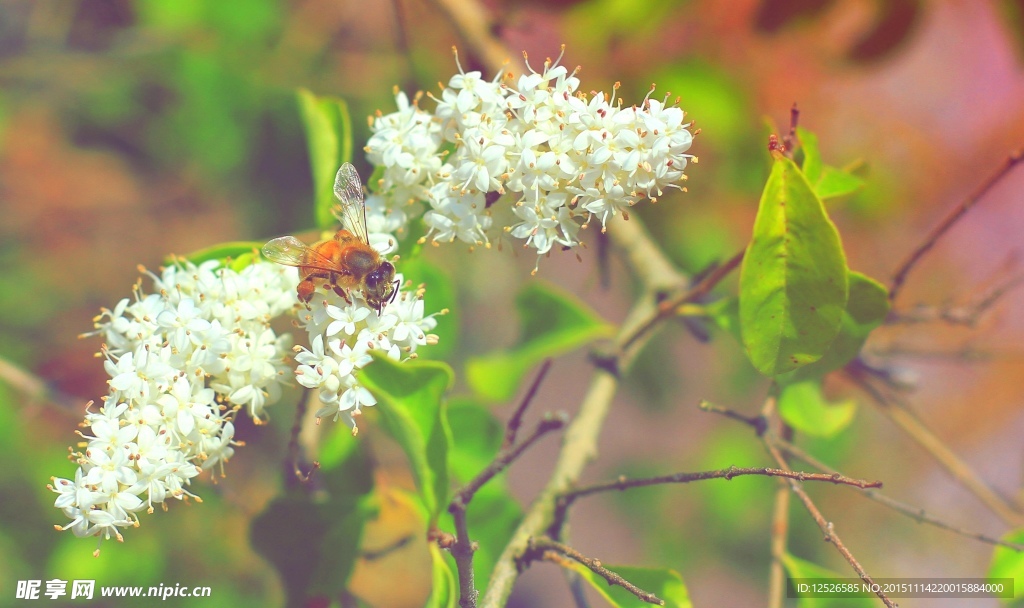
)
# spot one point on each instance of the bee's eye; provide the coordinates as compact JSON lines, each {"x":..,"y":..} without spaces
{"x":373,"y":281}
{"x":379,"y":280}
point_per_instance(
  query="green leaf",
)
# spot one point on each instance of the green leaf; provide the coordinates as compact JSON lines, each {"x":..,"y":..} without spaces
{"x":314,"y":547}
{"x":798,"y":568}
{"x":146,"y":563}
{"x":866,"y":309}
{"x":827,"y":181}
{"x":803,"y":406}
{"x":836,"y":182}
{"x":476,"y":438}
{"x":666,"y":584}
{"x":329,"y":138}
{"x":1008,"y":563}
{"x":410,"y":402}
{"x":726,"y":315}
{"x":553,"y":323}
{"x":234,"y":250}
{"x":344,"y":470}
{"x":793,"y":283}
{"x":314,"y":542}
{"x":445,"y":590}
{"x":812,"y":164}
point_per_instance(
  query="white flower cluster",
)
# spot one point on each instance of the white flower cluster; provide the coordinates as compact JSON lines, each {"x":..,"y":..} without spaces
{"x":341,"y":336}
{"x":182,"y":361}
{"x":566,"y":156}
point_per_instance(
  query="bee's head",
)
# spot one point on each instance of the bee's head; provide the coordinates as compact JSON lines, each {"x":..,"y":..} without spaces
{"x":380,"y":285}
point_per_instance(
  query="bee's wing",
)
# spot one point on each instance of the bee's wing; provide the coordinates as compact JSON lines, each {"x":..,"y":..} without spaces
{"x":290,"y":251}
{"x":351,"y":210}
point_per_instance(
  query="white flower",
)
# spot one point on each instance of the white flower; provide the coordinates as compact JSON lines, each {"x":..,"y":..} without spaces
{"x":340,"y":346}
{"x":181,"y":362}
{"x":406,"y":144}
{"x":568,"y":157}
{"x":346,"y":318}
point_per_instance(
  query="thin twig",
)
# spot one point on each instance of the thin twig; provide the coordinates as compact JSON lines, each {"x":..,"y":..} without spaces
{"x":790,"y":139}
{"x":779,"y":535}
{"x":516,"y":420}
{"x":462,"y":547}
{"x":567,"y":499}
{"x":542,"y":548}
{"x":759,"y":423}
{"x":668,"y":308}
{"x":623,"y":483}
{"x":956,"y":315}
{"x":899,"y":412}
{"x":954,"y":215}
{"x":966,"y":354}
{"x":827,"y":528}
{"x":507,"y":456}
{"x":916,"y":513}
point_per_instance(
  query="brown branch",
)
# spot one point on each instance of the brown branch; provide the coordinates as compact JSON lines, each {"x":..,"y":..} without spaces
{"x":966,"y":354}
{"x":668,"y":308}
{"x":516,"y":420}
{"x":567,"y":499}
{"x":954,"y":215}
{"x":759,"y":423}
{"x":473,"y":25}
{"x":506,"y":457}
{"x":826,"y":527}
{"x":36,"y":388}
{"x":543,"y":548}
{"x":956,"y":315}
{"x":462,"y":549}
{"x":789,"y":140}
{"x":623,"y":483}
{"x":657,"y":276}
{"x":899,"y":412}
{"x":579,"y":444}
{"x":917,"y":513}
{"x":402,"y":45}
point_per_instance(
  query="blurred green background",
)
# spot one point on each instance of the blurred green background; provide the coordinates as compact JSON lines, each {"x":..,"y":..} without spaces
{"x":130,"y":129}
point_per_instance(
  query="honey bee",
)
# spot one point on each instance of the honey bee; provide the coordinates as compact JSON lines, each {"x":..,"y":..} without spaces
{"x":346,"y":262}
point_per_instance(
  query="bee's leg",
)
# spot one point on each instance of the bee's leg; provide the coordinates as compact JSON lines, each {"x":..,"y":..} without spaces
{"x":394,"y":290}
{"x":305,"y":289}
{"x":338,"y":289}
{"x":341,"y":292}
